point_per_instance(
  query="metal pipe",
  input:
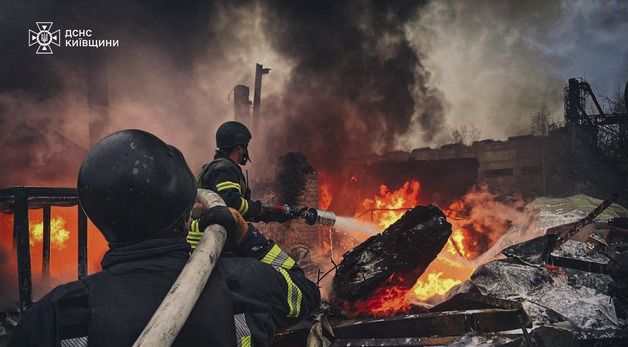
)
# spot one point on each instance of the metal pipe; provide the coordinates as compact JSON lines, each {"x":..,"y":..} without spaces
{"x":20,"y":229}
{"x":242,"y":104}
{"x":82,"y":243}
{"x":174,"y":310}
{"x":45,"y":254}
{"x":257,"y":95}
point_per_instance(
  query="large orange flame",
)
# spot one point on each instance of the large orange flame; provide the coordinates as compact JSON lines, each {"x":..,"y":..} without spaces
{"x":446,"y":271}
{"x":387,"y":207}
{"x":478,"y":219}
{"x":425,"y":290}
{"x":63,"y":249}
{"x":59,"y":235}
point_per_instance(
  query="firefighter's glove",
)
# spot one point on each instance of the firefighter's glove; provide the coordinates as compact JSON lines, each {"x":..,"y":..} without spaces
{"x":273,"y":214}
{"x":230,"y":219}
{"x":242,"y":227}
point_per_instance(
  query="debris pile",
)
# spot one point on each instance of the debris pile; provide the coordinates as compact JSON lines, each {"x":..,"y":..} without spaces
{"x":568,"y":286}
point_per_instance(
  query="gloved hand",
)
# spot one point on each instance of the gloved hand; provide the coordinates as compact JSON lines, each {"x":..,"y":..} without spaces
{"x":273,"y":214}
{"x":230,"y":219}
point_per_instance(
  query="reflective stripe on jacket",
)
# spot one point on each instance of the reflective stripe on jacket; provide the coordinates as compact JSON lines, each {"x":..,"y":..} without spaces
{"x":225,"y":177}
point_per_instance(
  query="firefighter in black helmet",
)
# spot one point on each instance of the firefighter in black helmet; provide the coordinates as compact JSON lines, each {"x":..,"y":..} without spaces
{"x":224,"y":175}
{"x":139,"y":192}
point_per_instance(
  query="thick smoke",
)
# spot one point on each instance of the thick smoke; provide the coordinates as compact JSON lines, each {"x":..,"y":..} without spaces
{"x":499,"y":62}
{"x":171,"y":75}
{"x":357,"y":83}
{"x":349,"y":78}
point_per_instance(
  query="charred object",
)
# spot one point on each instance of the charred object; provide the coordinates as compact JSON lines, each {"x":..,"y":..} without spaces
{"x":406,"y":247}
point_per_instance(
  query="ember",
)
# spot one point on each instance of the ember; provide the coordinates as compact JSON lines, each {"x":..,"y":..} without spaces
{"x":389,"y":299}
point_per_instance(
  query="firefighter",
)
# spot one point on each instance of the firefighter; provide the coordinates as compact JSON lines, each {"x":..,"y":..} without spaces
{"x":139,"y":192}
{"x":224,"y":175}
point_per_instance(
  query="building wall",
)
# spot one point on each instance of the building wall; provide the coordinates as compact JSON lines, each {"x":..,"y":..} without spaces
{"x":295,"y":233}
{"x":560,"y":164}
{"x":515,"y":165}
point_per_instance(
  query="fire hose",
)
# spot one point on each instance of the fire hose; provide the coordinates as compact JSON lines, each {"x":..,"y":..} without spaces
{"x":174,"y":310}
{"x":172,"y":313}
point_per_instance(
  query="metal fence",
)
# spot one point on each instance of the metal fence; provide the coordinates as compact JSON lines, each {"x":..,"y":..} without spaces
{"x":18,"y":201}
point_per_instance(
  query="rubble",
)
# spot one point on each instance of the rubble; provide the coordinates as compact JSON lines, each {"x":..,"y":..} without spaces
{"x":602,"y":283}
{"x":504,"y":279}
{"x":573,"y":293}
{"x":450,"y":323}
{"x":580,"y":251}
{"x":584,"y":308}
{"x":537,"y":250}
{"x":407,"y":246}
{"x":571,"y":301}
{"x":412,"y":330}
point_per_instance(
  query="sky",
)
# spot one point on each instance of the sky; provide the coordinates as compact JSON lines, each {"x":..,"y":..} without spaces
{"x":350,"y":78}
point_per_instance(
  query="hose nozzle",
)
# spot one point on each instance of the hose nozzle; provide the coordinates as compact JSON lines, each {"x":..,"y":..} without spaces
{"x":313,"y":216}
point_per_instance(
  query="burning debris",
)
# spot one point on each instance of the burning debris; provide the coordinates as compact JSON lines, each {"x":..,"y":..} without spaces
{"x":387,"y":207}
{"x":393,"y":255}
{"x":574,"y":294}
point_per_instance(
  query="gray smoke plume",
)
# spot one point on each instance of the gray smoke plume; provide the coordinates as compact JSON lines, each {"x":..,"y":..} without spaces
{"x":349,"y":78}
{"x":356,"y":82}
{"x":499,"y":62}
{"x":171,"y":75}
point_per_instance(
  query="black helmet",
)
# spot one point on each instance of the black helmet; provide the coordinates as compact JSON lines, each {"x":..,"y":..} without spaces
{"x":231,"y":134}
{"x":133,"y":186}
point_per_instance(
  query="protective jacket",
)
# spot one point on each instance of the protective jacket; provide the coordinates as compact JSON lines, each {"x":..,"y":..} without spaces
{"x":251,"y":293}
{"x":266,"y":285}
{"x":225,"y":177}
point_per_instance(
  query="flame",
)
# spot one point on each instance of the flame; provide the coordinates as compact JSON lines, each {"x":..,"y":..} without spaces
{"x":58,"y":232}
{"x":474,"y":229}
{"x":388,"y":299}
{"x":446,"y":271}
{"x":456,"y":243}
{"x":324,"y":191}
{"x":478,"y":219}
{"x":425,"y":290}
{"x":388,"y":207}
{"x":63,"y":250}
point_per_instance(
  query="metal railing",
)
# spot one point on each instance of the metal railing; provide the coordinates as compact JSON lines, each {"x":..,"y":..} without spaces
{"x":18,"y":200}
